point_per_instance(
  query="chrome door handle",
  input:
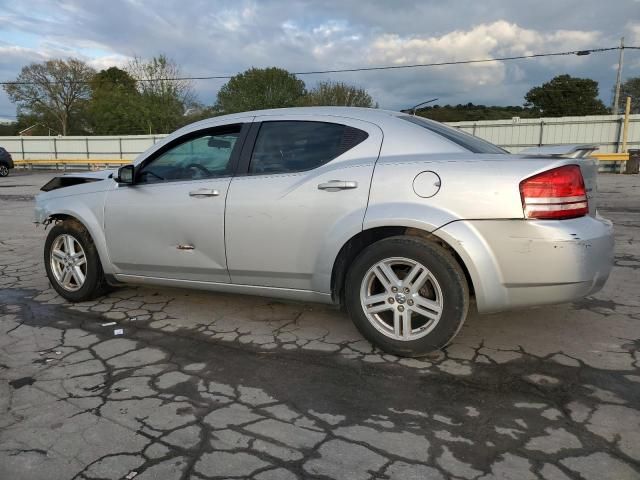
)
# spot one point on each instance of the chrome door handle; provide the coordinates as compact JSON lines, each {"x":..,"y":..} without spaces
{"x":335,"y":185}
{"x":204,"y":192}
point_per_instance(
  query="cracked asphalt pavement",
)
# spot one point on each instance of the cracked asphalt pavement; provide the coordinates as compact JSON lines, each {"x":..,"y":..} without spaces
{"x":202,"y":385}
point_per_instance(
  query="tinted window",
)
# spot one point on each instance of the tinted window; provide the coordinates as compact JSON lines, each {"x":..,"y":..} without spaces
{"x":203,"y":155}
{"x":296,"y":146}
{"x":466,"y":141}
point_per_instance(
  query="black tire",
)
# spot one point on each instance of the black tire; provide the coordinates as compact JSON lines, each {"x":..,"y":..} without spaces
{"x":4,"y":170}
{"x":442,"y":265}
{"x":95,"y":284}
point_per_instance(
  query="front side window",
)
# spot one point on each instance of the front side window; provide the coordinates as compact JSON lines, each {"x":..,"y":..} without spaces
{"x":203,"y":155}
{"x":297,"y":146}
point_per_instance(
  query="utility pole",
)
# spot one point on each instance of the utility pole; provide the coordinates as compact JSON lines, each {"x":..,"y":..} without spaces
{"x":625,"y":125}
{"x":616,"y":98}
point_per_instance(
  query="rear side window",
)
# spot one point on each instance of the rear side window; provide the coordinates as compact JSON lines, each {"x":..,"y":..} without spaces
{"x":466,"y":141}
{"x":296,"y":146}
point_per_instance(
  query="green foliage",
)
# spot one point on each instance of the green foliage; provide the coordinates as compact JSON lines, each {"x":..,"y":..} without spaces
{"x":565,"y":95}
{"x":198,"y":112}
{"x":338,"y":94}
{"x":472,"y":113}
{"x":37,"y":124}
{"x":55,"y":91}
{"x":8,"y":129}
{"x":260,"y":88}
{"x":163,"y":100}
{"x":630,"y":88}
{"x":115,"y":103}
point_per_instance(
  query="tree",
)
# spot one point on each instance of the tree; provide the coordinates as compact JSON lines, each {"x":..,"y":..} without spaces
{"x":57,"y":89}
{"x":115,"y":103}
{"x":631,"y":88}
{"x":198,"y":112}
{"x":338,"y":94}
{"x":163,"y":100}
{"x":38,"y":124}
{"x":566,"y":95}
{"x":471,"y":112}
{"x":8,"y":129}
{"x":260,"y":88}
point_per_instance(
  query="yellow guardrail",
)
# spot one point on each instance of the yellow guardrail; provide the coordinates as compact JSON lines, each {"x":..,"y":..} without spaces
{"x":91,"y":164}
{"x":611,"y":157}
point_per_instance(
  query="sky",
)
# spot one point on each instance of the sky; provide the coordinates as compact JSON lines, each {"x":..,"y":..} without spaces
{"x":227,"y":37}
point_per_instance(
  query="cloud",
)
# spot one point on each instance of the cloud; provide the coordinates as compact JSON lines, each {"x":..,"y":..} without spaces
{"x":106,"y":61}
{"x":633,"y":33}
{"x":229,"y":36}
{"x":484,"y":41}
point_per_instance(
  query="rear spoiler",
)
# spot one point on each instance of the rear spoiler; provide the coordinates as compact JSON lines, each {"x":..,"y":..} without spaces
{"x":565,"y":151}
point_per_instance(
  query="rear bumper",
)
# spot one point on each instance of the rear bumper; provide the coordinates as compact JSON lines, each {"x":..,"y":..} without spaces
{"x":519,"y":263}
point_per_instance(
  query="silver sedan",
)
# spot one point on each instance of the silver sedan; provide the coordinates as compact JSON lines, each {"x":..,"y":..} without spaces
{"x":400,"y":219}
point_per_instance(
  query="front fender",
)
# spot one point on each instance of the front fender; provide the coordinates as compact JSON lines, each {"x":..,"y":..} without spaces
{"x":88,"y":209}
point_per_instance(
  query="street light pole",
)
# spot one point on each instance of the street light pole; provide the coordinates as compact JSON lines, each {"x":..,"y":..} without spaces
{"x":413,"y":109}
{"x":616,"y":98}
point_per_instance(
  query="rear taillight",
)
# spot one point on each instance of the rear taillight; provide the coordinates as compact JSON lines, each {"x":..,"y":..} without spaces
{"x":555,"y":194}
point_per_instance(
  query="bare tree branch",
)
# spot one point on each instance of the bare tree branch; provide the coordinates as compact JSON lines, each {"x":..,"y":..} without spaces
{"x":55,"y":88}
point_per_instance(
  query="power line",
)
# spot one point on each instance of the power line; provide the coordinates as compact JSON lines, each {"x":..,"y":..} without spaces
{"x":465,"y":62}
{"x":369,"y":69}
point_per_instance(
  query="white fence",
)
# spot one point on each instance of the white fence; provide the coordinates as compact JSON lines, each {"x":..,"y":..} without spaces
{"x":514,"y":135}
{"x":517,"y":134}
{"x":125,"y":147}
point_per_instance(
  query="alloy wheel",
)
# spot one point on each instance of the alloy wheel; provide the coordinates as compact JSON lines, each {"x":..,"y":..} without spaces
{"x":68,"y":262}
{"x":401,"y":298}
{"x":4,"y":170}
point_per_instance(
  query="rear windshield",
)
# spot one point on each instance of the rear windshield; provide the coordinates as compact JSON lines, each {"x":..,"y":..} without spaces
{"x":466,"y":141}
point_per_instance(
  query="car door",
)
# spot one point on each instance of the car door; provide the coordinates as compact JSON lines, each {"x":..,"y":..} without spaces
{"x":300,"y":191}
{"x":170,"y":222}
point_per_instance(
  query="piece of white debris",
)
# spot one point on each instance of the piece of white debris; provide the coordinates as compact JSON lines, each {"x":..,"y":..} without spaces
{"x":58,"y":352}
{"x":118,"y":331}
{"x":133,"y":319}
{"x":47,"y":360}
{"x":130,"y":475}
{"x":108,"y":324}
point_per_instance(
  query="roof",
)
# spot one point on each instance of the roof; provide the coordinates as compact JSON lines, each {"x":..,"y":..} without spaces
{"x":360,"y":113}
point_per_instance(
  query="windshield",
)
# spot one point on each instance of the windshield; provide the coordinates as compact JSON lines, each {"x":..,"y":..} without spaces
{"x":466,"y":141}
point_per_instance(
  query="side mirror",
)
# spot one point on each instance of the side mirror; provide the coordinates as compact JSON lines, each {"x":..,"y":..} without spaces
{"x":125,"y":175}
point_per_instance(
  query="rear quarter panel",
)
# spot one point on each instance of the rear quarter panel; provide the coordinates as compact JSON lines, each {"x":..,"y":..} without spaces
{"x":477,"y":192}
{"x":473,"y":186}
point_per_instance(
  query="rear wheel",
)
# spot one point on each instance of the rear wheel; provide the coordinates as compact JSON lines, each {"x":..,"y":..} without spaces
{"x":4,"y":170}
{"x":72,"y":262}
{"x":407,"y":295}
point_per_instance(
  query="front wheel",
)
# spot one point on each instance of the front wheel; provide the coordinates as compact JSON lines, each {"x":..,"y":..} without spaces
{"x":4,"y":170}
{"x":72,"y":262}
{"x":406,"y":295}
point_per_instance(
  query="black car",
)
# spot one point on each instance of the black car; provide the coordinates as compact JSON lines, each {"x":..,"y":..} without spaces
{"x":6,"y":162}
